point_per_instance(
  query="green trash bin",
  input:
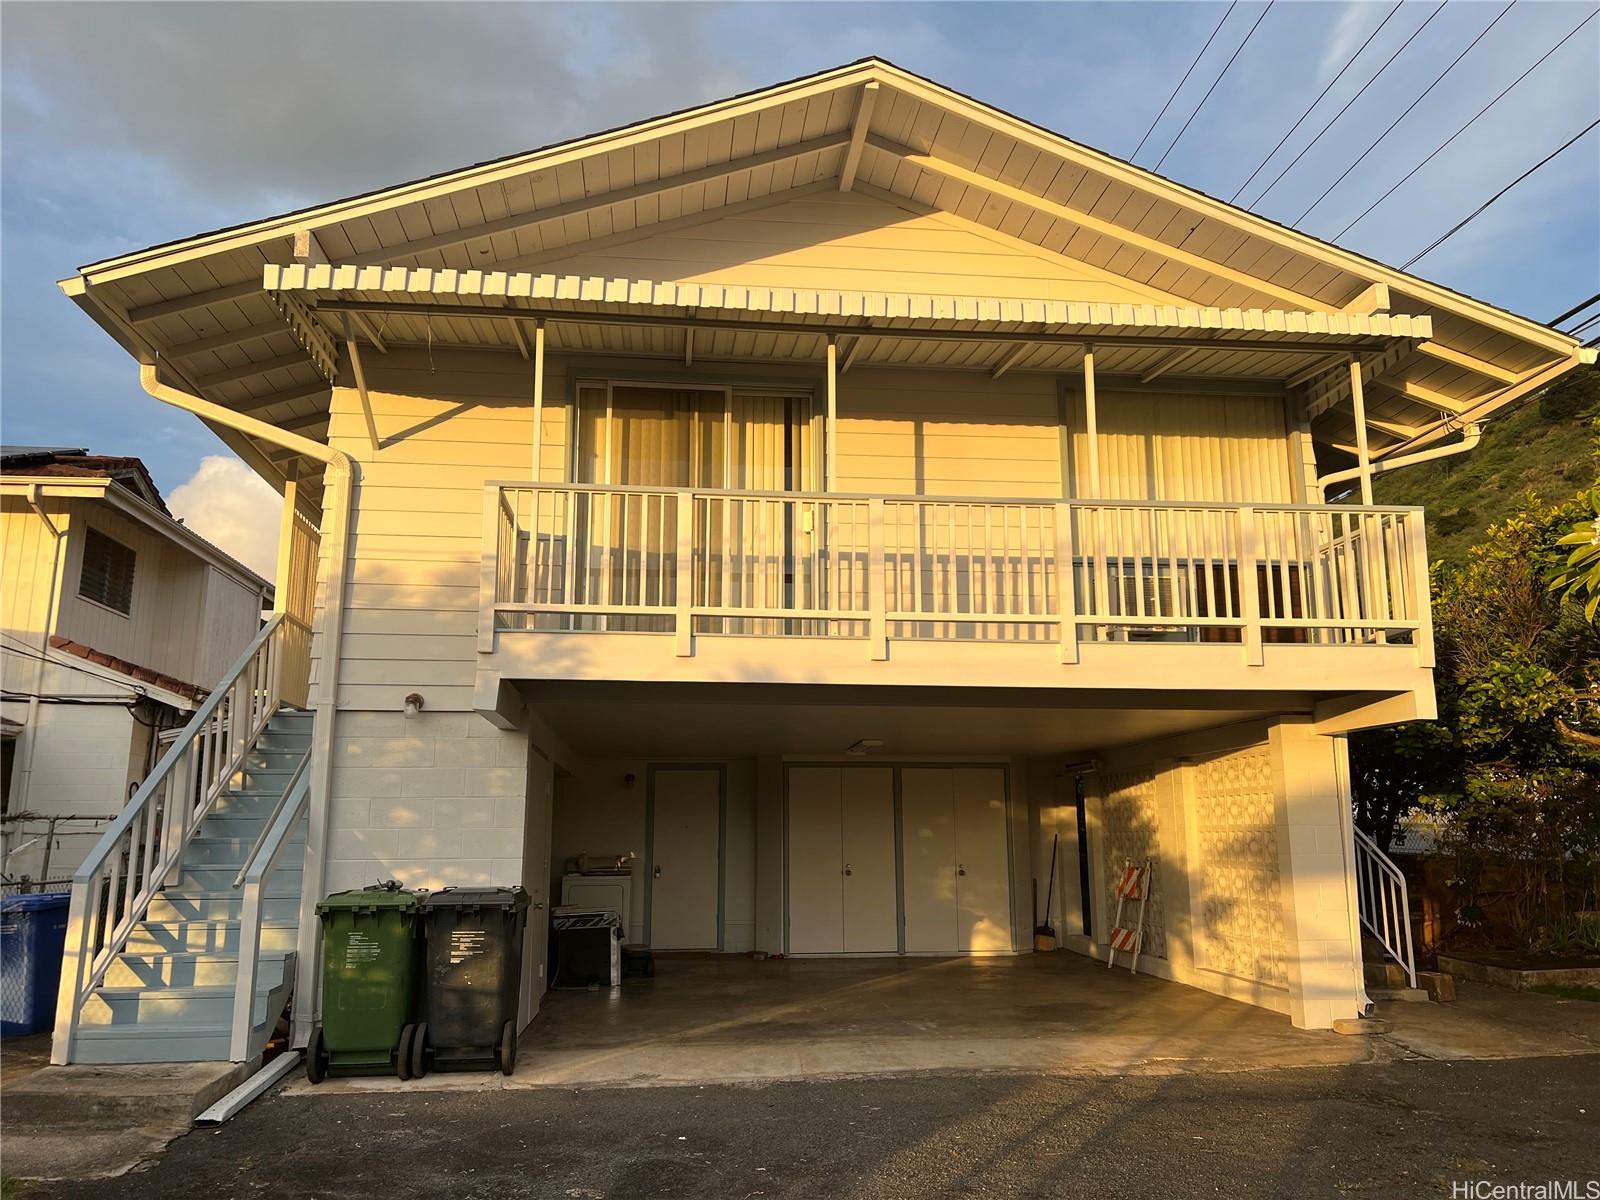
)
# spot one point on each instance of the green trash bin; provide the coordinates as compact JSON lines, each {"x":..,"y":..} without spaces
{"x":370,"y":949}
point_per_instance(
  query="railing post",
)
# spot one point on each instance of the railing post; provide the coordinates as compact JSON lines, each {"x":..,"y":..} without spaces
{"x":683,"y":621}
{"x":877,"y":582}
{"x":1249,"y":596}
{"x":488,"y":569}
{"x":1421,"y":598}
{"x":1066,"y":591}
{"x":244,"y":983}
{"x":75,"y":957}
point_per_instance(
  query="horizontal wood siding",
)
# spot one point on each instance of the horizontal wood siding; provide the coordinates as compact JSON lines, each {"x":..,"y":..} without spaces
{"x":844,"y":240}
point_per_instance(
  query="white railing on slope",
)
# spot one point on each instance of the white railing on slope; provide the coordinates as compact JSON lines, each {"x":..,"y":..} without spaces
{"x":143,"y":847}
{"x":252,"y":878}
{"x":1383,"y":903}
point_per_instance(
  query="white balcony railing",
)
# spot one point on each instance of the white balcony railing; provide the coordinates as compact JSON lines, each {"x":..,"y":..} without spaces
{"x":581,"y":557}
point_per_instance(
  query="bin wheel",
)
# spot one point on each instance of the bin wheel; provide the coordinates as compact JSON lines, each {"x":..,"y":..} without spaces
{"x":316,"y":1057}
{"x":402,"y":1054}
{"x":419,"y":1048}
{"x":507,"y":1054}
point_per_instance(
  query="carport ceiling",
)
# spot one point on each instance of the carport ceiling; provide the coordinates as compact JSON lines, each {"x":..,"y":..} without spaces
{"x":653,"y":721}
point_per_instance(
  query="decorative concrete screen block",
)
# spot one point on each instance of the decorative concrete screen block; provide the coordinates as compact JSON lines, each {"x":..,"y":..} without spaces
{"x":1130,"y":825}
{"x":1239,"y":903}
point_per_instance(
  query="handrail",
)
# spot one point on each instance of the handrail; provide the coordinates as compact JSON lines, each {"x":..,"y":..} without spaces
{"x":139,"y":851}
{"x":262,"y":861}
{"x":1039,"y":501}
{"x":1384,"y":903}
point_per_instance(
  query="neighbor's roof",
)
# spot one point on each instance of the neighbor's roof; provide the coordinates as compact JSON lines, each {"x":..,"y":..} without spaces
{"x":76,"y":463}
{"x":202,"y":306}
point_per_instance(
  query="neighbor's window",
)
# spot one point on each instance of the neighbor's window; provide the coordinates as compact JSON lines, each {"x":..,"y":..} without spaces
{"x":107,"y":576}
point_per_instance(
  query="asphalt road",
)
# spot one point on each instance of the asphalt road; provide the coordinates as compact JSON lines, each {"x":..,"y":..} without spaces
{"x":1402,"y":1129}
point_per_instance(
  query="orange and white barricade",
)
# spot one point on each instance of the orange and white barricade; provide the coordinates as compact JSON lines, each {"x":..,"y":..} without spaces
{"x":1134,"y":885}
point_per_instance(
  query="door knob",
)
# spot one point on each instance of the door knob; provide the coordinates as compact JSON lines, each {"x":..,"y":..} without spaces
{"x":961,"y":869}
{"x":847,"y":869}
{"x":658,"y":873}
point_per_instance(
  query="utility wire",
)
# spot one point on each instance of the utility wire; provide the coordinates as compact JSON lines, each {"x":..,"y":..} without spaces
{"x":1349,"y":62}
{"x":1336,"y":237}
{"x":1183,"y":81}
{"x":1361,"y":92}
{"x":1572,"y":312}
{"x":1577,"y":329}
{"x":1473,"y":215}
{"x":1226,"y":67}
{"x":1345,"y":174}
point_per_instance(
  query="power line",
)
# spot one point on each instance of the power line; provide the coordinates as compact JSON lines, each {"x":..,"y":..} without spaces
{"x":1349,"y":62}
{"x":1361,"y":92}
{"x":1577,"y":329}
{"x":1462,"y":130}
{"x":1226,"y":67}
{"x":1343,"y":175}
{"x":1473,"y":215}
{"x":1572,"y":312}
{"x":1183,"y":81}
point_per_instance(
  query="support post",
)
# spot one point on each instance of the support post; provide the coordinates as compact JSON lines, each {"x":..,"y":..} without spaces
{"x":1091,"y":425}
{"x":877,"y":582}
{"x":538,"y":399}
{"x":1363,"y":456}
{"x":831,"y":434}
{"x":1066,"y":593}
{"x":1421,"y":608}
{"x":683,"y":621}
{"x":1249,"y":596}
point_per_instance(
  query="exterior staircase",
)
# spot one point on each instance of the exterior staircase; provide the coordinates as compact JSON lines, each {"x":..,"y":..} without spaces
{"x":168,"y":996}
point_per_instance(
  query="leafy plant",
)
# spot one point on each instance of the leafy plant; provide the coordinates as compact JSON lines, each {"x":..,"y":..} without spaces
{"x":1579,"y":577}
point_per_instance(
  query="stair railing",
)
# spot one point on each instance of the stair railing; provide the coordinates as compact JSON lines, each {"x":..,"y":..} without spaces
{"x":252,"y":878}
{"x":1383,"y":903}
{"x":140,"y":851}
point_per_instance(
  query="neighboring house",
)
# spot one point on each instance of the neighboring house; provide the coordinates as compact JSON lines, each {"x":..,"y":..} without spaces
{"x":117,"y":622}
{"x":830,"y":495}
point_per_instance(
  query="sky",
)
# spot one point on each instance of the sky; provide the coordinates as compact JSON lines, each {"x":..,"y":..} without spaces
{"x":126,"y":125}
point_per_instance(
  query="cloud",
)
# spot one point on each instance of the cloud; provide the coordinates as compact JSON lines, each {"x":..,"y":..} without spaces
{"x":232,"y":507}
{"x":285,"y":105}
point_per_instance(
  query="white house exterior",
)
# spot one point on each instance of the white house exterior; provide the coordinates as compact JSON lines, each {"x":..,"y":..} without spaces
{"x":822,"y":494}
{"x":117,"y":622}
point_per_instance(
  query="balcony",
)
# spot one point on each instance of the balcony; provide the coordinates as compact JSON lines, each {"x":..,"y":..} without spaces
{"x":879,"y":588}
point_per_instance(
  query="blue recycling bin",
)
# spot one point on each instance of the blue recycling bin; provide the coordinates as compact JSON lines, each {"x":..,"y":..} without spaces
{"x":33,"y":932}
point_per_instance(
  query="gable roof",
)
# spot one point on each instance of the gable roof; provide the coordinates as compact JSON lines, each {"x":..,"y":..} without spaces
{"x":65,"y":462}
{"x":868,"y":127}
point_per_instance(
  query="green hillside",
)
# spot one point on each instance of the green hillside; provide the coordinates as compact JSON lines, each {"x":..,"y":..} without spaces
{"x":1547,"y":447}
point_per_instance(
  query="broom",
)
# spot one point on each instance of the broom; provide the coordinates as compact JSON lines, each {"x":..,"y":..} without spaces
{"x":1044,"y":931}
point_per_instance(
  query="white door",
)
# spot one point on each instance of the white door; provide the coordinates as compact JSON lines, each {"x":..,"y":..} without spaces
{"x":928,"y":844}
{"x":983,"y":869}
{"x":686,"y":858}
{"x":816,"y":895}
{"x":871,"y":909}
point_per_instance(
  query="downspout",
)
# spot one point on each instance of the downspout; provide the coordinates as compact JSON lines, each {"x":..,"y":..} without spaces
{"x":1474,"y":435}
{"x":339,"y":494}
{"x":31,"y":721}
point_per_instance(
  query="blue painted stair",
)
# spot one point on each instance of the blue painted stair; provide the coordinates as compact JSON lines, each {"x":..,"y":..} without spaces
{"x":168,"y":997}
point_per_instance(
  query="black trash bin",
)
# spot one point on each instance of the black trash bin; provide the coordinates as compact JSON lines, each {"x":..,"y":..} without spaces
{"x":472,"y":979}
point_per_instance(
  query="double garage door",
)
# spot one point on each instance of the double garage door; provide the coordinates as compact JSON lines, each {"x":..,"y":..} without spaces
{"x":887,"y":860}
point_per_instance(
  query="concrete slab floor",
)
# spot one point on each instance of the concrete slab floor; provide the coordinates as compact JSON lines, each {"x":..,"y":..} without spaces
{"x":721,"y":1019}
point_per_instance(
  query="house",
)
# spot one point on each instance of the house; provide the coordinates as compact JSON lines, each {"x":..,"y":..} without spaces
{"x":832,"y":496}
{"x":117,"y":622}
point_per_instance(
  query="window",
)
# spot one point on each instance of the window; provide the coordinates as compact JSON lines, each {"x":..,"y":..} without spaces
{"x":107,"y":576}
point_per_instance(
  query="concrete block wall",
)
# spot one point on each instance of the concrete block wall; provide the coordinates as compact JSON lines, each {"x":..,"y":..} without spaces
{"x":434,"y":800}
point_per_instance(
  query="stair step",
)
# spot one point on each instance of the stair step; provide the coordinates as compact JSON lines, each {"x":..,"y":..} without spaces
{"x":216,"y":852}
{"x":142,"y":1005}
{"x":235,"y":824}
{"x":159,"y":1041}
{"x":170,"y":907}
{"x":218,"y":881}
{"x":189,"y":969}
{"x":1408,"y":994}
{"x":178,"y":937}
